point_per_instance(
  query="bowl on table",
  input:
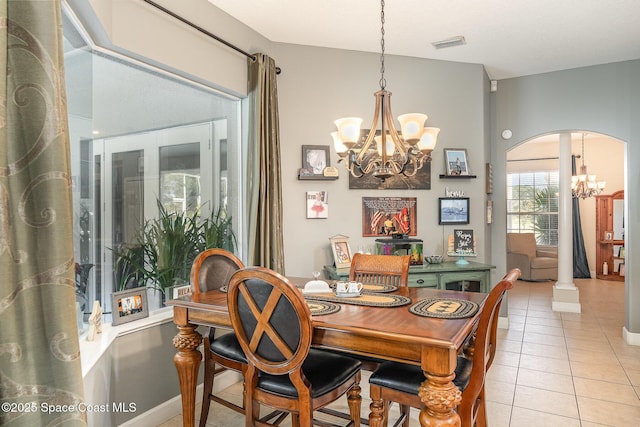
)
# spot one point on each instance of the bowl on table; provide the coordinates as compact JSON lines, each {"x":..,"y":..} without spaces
{"x":434,"y":259}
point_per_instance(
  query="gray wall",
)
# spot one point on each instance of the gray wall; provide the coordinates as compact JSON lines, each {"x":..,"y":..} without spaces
{"x":603,"y":99}
{"x":319,"y":85}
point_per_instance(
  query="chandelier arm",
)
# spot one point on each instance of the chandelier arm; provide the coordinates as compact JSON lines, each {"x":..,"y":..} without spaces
{"x":372,"y":130}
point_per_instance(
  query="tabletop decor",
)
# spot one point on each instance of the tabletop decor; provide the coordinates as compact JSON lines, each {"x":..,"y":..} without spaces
{"x":444,"y":308}
{"x":322,"y":308}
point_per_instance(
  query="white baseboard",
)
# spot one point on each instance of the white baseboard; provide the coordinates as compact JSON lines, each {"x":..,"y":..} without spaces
{"x":630,"y":338}
{"x":566,"y":307}
{"x":503,"y":322}
{"x":173,"y":407}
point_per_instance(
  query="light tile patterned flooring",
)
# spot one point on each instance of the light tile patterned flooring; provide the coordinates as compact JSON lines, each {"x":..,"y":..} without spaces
{"x":551,"y":369}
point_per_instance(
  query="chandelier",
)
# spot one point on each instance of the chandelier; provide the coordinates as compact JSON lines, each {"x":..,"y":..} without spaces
{"x":584,"y":185}
{"x":384,"y":152}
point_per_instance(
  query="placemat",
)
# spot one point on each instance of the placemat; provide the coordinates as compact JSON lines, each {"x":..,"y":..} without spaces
{"x":371,"y":287}
{"x":444,"y":308}
{"x":370,"y":299}
{"x":320,"y":308}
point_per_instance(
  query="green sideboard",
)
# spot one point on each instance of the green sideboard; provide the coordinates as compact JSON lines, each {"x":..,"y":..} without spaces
{"x":473,"y":276}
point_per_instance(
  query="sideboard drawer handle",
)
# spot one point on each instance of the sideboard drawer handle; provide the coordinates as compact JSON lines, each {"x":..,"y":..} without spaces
{"x":420,"y":281}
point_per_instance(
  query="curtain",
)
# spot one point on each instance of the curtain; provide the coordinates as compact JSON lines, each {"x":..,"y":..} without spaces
{"x":39,"y":352}
{"x":264,"y":183}
{"x":580,"y":263}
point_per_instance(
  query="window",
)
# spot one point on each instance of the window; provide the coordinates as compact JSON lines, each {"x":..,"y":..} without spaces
{"x":532,"y":205}
{"x":140,"y":136}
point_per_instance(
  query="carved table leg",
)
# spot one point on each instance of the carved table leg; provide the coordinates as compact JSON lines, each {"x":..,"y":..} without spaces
{"x":187,"y":361}
{"x":441,"y":397}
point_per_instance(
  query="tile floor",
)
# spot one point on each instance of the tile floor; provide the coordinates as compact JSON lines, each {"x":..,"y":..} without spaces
{"x":551,"y":369}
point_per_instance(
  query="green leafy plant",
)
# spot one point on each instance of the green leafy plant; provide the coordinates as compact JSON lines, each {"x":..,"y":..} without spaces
{"x":166,"y":246}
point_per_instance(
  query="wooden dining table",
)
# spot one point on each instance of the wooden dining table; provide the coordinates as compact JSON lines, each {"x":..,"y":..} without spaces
{"x":391,"y":333}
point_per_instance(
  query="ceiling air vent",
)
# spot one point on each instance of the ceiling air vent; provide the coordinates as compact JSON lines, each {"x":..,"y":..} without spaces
{"x":453,"y":41}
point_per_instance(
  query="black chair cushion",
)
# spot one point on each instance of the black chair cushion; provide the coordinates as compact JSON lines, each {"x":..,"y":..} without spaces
{"x":227,"y":346}
{"x":407,"y":378}
{"x":324,"y":369}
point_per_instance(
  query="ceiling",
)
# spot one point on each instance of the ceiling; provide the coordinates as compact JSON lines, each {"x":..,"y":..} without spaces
{"x":511,"y":38}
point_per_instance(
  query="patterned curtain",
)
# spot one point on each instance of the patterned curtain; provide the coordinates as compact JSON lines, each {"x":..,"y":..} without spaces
{"x":264,"y":183}
{"x":39,"y":352}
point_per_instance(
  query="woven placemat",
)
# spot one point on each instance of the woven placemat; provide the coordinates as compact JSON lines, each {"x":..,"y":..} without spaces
{"x":370,"y":299}
{"x":320,"y":308}
{"x":444,"y":308}
{"x":371,"y":287}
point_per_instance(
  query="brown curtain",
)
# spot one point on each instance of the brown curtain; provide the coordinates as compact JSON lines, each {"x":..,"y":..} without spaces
{"x":39,"y":352}
{"x":264,"y":184}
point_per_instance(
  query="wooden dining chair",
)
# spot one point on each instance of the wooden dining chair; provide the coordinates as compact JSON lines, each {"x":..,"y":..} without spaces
{"x":399,"y":382}
{"x":380,"y":269}
{"x":273,"y":324}
{"x":211,"y":270}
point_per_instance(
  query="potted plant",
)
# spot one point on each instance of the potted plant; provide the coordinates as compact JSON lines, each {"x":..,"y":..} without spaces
{"x":166,"y":246}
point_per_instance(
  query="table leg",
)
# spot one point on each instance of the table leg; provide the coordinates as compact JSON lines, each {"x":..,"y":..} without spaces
{"x":440,"y":397}
{"x":187,"y":361}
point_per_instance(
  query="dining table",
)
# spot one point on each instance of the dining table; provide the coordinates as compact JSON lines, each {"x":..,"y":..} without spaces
{"x":395,"y":333}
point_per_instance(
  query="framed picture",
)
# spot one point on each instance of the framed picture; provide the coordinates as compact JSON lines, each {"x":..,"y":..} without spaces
{"x":456,"y":162}
{"x":317,"y":204}
{"x":341,"y":250}
{"x":385,"y":216}
{"x":453,"y":210}
{"x":608,"y":235}
{"x":315,"y":158}
{"x":130,"y":305}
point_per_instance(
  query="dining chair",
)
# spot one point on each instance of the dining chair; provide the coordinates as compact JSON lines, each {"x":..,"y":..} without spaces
{"x":380,"y":269}
{"x":211,"y":270}
{"x":399,"y":382}
{"x":274,"y":327}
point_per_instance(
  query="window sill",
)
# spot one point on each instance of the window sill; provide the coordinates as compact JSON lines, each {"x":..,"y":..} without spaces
{"x":92,"y":351}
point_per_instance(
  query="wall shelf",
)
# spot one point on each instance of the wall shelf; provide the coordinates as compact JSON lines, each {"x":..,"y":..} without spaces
{"x":442,"y":176}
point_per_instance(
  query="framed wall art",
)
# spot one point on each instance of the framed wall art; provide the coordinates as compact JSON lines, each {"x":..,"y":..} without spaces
{"x":453,"y":210}
{"x":317,"y":205}
{"x":456,"y":162}
{"x":341,"y":250}
{"x":383,"y":216}
{"x":130,"y":305}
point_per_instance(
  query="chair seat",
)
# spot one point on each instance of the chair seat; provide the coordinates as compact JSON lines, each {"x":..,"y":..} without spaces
{"x":544,"y":262}
{"x":324,"y":369}
{"x":227,"y":346}
{"x":407,"y":378}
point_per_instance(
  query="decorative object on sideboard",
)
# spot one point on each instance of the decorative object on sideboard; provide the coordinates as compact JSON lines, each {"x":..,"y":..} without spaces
{"x":95,"y":321}
{"x":584,"y":185}
{"x":390,"y":152}
{"x":401,"y":244}
{"x":341,"y":250}
{"x":461,"y":244}
{"x":434,"y":259}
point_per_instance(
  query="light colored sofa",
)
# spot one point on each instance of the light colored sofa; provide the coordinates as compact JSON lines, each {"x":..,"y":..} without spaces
{"x":536,"y":264}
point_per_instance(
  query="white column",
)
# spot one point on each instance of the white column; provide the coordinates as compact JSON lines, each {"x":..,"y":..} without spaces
{"x":566,"y":297}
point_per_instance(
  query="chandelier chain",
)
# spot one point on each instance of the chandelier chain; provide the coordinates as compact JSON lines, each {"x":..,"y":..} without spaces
{"x":383,"y":81}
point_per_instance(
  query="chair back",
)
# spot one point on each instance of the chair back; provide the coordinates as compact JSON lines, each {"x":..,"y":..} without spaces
{"x":484,"y":346}
{"x":212,"y":269}
{"x":380,"y":269}
{"x":523,"y":243}
{"x":272,"y":322}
